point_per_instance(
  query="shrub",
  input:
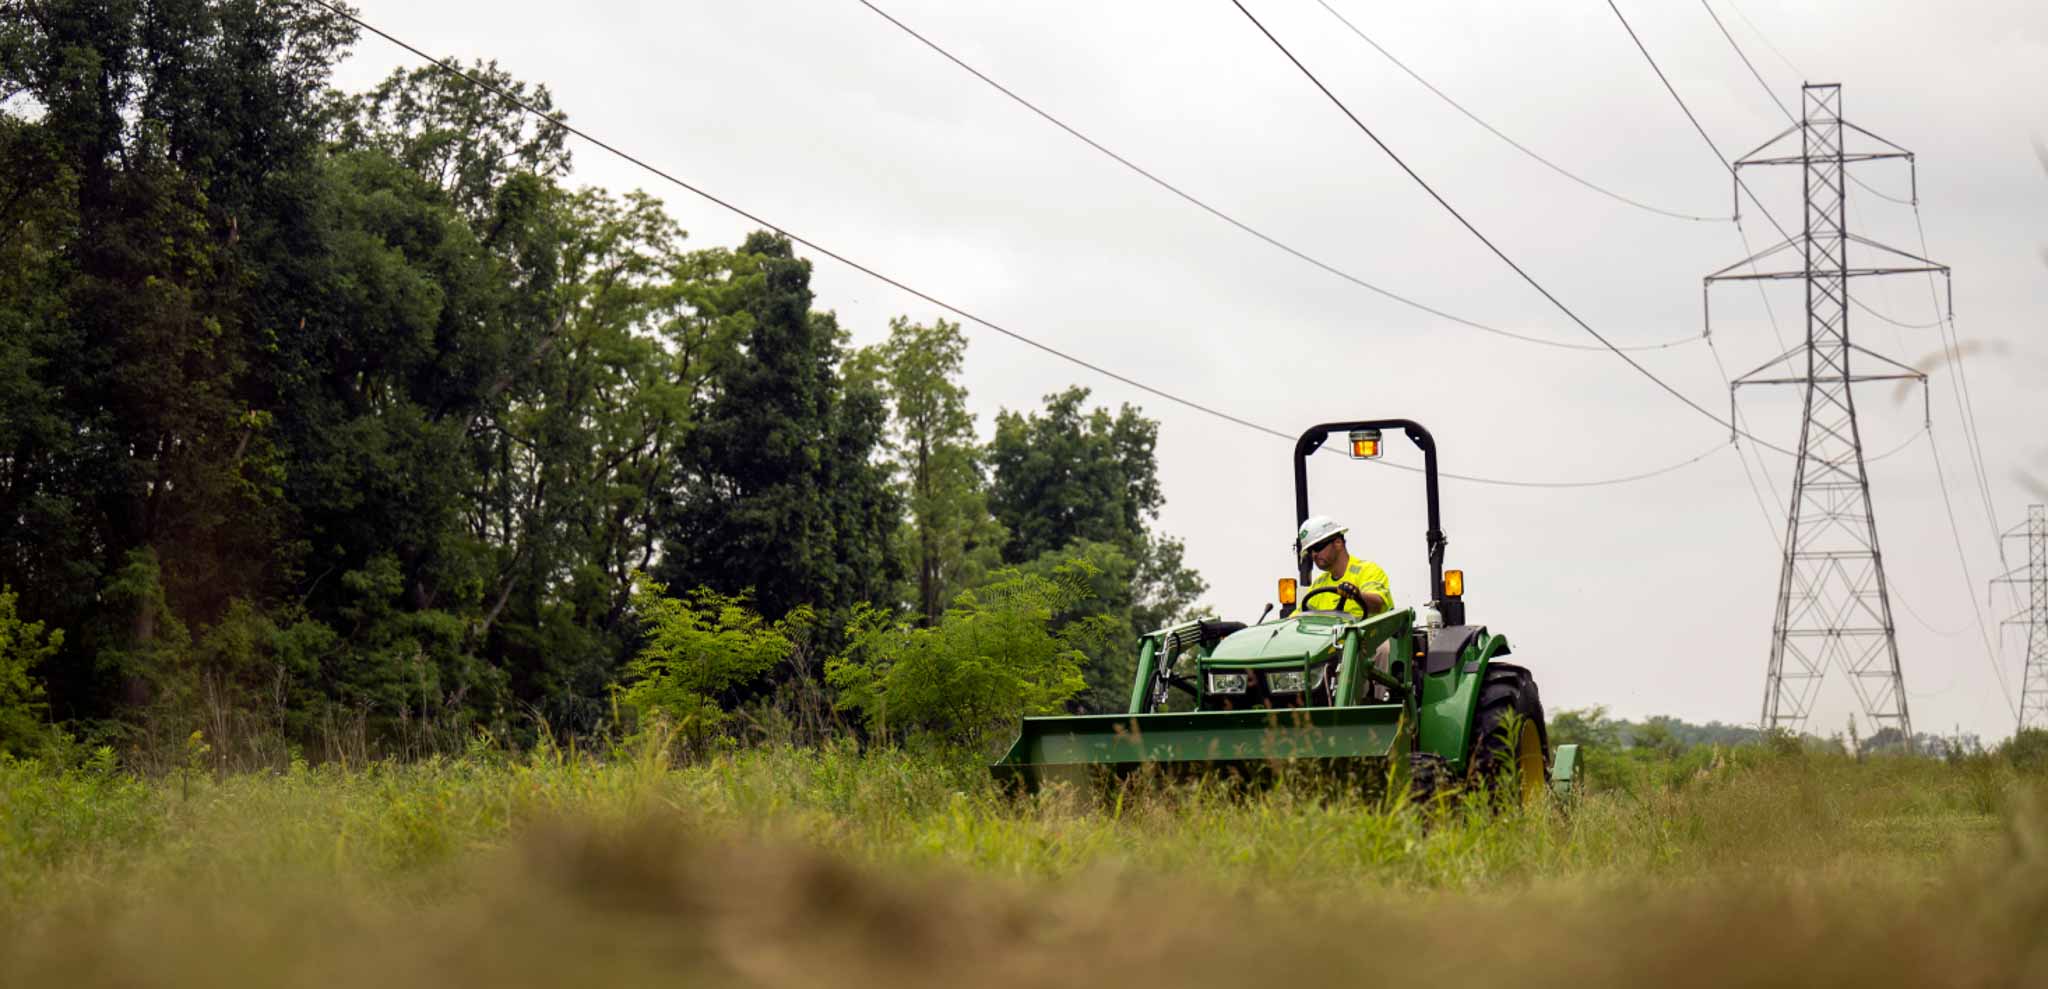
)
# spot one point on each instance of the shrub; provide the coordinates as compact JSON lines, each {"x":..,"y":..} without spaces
{"x":698,"y":647}
{"x":23,"y":647}
{"x":992,"y":658}
{"x":2027,"y":749}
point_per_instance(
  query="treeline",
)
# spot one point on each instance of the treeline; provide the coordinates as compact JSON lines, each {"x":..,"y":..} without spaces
{"x":345,"y":424}
{"x":1666,"y":752}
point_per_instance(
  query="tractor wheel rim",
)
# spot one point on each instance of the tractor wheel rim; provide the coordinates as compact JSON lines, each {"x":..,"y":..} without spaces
{"x":1529,"y":763}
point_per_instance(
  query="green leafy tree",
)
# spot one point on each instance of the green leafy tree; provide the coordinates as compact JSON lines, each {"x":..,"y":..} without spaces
{"x":24,"y":646}
{"x":161,"y":126}
{"x":1590,"y":727}
{"x":573,"y":462}
{"x":153,"y":150}
{"x":1070,"y":473}
{"x":697,"y":648}
{"x":949,"y":536}
{"x":996,"y":655}
{"x":784,"y":493}
{"x":469,"y":141}
{"x":1074,"y":482}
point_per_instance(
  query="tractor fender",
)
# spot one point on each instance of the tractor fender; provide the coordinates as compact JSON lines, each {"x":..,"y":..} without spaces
{"x":1455,"y":667}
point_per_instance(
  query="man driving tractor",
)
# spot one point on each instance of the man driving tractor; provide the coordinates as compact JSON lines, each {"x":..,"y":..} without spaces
{"x":1321,"y":541}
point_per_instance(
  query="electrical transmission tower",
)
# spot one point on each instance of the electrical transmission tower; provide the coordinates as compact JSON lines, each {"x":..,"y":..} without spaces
{"x":1833,"y":606}
{"x":2033,"y":617}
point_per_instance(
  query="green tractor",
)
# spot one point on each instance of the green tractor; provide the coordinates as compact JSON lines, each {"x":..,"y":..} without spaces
{"x":1414,"y":695}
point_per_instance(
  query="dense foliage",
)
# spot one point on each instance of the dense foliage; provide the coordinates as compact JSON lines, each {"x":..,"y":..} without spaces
{"x":342,"y":424}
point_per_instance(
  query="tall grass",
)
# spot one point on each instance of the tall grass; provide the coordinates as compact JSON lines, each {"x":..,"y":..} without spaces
{"x":802,"y":866}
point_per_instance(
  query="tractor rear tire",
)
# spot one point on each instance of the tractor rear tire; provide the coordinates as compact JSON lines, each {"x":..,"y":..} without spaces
{"x":1429,"y":775}
{"x":1510,"y":742}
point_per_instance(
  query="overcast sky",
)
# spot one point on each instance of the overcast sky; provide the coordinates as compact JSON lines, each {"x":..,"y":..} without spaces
{"x":1654,"y":597}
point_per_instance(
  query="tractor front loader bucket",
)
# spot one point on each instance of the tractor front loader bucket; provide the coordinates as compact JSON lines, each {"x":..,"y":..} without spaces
{"x":1248,"y":744}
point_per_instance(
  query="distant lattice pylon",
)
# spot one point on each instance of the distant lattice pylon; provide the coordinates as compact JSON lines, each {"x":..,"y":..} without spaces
{"x":2032,"y":616}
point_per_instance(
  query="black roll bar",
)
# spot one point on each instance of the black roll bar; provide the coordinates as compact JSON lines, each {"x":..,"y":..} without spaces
{"x":1312,"y":440}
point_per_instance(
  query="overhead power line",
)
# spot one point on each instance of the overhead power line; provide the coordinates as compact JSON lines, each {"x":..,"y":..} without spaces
{"x":1866,"y":307}
{"x":1754,"y":74}
{"x":1773,"y":94}
{"x":556,"y":121}
{"x":1760,"y":37}
{"x":1241,"y":225}
{"x":1490,"y":246}
{"x":1496,"y":132}
{"x":1990,"y":652}
{"x":1966,"y":405}
{"x":1696,"y":125}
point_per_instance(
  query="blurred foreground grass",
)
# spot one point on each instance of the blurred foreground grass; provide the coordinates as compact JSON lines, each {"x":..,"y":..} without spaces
{"x":801,"y":867}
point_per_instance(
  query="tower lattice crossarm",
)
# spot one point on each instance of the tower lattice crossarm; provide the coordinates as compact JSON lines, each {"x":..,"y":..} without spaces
{"x":1834,"y":608}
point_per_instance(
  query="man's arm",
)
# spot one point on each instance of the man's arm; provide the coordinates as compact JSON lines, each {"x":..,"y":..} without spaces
{"x":1372,"y":580}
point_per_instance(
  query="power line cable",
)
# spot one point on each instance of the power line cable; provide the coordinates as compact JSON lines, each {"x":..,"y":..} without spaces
{"x":1966,"y":404}
{"x":1696,"y":125}
{"x":1906,"y":600}
{"x":1765,"y":297}
{"x":1482,"y":238}
{"x":1880,"y":193}
{"x":1767,"y":41}
{"x":556,"y":121}
{"x":1990,"y":654}
{"x":1773,"y":94}
{"x":1631,"y":478}
{"x":1770,"y":524}
{"x":1758,"y":76}
{"x":1902,"y":324}
{"x":1241,"y":225}
{"x":1496,"y":132}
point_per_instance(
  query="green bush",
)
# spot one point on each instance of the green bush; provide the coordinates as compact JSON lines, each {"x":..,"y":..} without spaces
{"x":2027,"y":750}
{"x":698,"y":647}
{"x":23,"y":647}
{"x":994,"y":657}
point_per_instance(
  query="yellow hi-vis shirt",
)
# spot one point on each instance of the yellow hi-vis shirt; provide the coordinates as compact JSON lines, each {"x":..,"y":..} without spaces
{"x":1362,"y":574}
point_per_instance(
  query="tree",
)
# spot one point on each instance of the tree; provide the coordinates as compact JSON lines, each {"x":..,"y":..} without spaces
{"x":1078,"y":483}
{"x":468,"y":141}
{"x":949,"y":536}
{"x":784,"y":493}
{"x":1069,"y":474}
{"x":166,"y":133}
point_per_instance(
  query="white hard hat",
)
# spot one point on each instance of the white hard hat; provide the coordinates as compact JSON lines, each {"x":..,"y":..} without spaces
{"x":1316,"y":529}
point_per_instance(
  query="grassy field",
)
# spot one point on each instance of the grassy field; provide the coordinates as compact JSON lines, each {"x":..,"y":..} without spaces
{"x":787,"y":867}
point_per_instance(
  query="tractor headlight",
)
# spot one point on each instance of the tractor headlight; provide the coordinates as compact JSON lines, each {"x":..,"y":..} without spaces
{"x":1226,"y":683}
{"x":1294,"y":681}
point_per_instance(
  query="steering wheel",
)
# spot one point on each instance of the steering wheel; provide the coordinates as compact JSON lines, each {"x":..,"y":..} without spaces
{"x":1344,"y":590}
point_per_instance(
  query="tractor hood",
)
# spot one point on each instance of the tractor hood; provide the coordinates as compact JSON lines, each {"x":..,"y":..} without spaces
{"x":1289,"y":640}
